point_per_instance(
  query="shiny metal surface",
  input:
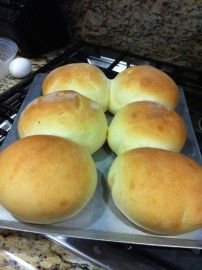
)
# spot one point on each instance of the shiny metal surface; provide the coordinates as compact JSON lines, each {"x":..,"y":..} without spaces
{"x":106,"y":255}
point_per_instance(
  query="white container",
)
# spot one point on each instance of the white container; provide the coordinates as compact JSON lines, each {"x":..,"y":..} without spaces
{"x":8,"y":50}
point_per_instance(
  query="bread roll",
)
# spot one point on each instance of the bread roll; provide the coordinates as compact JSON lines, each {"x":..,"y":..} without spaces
{"x":46,"y":179}
{"x":86,"y":79}
{"x":158,"y":190}
{"x":146,"y":124}
{"x":65,"y":114}
{"x":142,"y":83}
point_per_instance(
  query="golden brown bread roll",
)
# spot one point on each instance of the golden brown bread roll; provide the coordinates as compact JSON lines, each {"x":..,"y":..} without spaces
{"x":158,"y":190}
{"x":65,"y":114}
{"x":84,"y":78}
{"x":142,"y":83}
{"x":146,"y":124}
{"x":46,"y":179}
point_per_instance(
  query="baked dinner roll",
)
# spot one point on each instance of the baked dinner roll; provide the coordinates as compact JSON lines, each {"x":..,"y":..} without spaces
{"x":84,"y":78}
{"x":146,"y":124}
{"x":65,"y":114}
{"x":46,"y":179}
{"x":142,"y":83}
{"x":158,"y":190}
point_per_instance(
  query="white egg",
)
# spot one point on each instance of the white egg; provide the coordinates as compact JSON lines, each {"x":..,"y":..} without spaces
{"x":20,"y":67}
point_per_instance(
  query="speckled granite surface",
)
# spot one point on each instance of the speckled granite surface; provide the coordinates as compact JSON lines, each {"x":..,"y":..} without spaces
{"x":10,"y":81}
{"x":23,"y":251}
{"x":170,"y":31}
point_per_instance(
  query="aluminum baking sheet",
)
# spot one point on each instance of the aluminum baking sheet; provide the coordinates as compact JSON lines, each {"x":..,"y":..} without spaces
{"x":100,"y":219}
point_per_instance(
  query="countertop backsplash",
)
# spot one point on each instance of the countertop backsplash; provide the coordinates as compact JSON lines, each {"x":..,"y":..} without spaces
{"x":170,"y":31}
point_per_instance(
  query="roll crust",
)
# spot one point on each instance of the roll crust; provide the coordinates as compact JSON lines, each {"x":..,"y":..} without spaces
{"x":84,"y":78}
{"x":66,"y":114}
{"x":158,"y":190}
{"x":146,"y":124}
{"x":46,"y":179}
{"x":142,"y":83}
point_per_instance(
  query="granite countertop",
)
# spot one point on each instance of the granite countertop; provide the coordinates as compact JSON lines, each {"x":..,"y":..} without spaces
{"x":164,"y":30}
{"x":26,"y":250}
{"x":10,"y":81}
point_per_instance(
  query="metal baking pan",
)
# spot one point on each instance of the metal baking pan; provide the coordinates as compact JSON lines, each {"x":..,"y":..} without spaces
{"x":100,"y":219}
